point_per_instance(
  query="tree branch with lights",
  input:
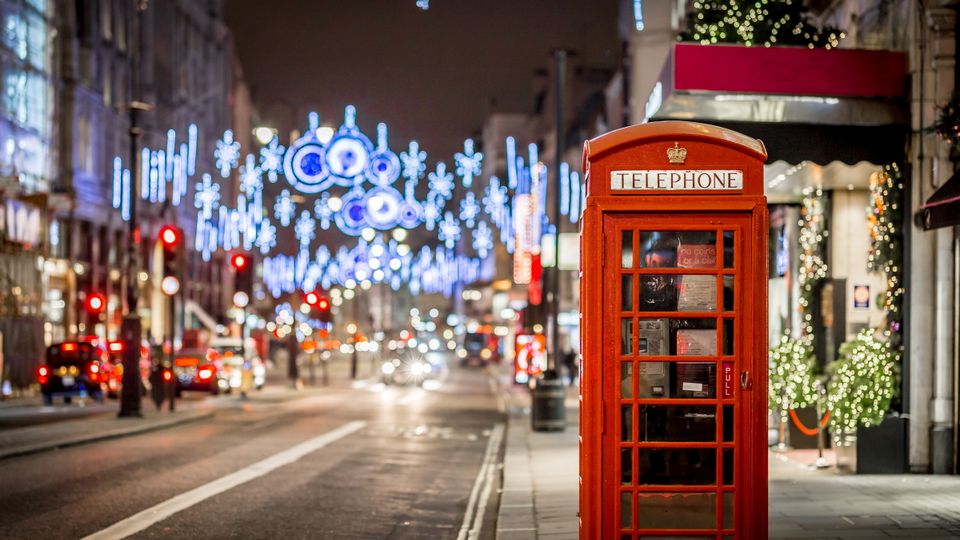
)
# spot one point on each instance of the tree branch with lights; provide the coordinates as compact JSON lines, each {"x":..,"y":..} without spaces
{"x":758,"y":22}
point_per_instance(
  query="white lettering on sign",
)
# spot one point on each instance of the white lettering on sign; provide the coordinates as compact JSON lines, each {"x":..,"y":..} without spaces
{"x":715,"y":180}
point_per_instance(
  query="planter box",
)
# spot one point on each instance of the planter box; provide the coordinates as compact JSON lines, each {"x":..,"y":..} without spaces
{"x":882,"y":449}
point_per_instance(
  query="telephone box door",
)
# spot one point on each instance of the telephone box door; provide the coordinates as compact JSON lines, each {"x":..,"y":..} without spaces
{"x":679,"y":442}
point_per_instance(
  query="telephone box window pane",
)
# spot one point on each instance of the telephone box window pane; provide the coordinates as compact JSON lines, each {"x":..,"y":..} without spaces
{"x":626,"y":466}
{"x":654,"y":379}
{"x":728,"y":466}
{"x":678,"y":423}
{"x":678,"y":249}
{"x":626,"y":336}
{"x":626,"y":510}
{"x":728,"y":423}
{"x":626,"y":423}
{"x":728,"y":249}
{"x":626,"y":249}
{"x":667,"y":510}
{"x":727,"y":510}
{"x":685,"y":337}
{"x":678,"y":293}
{"x":626,"y":380}
{"x":728,"y":337}
{"x":626,"y":293}
{"x":728,"y":293}
{"x":678,"y":466}
{"x":686,"y":380}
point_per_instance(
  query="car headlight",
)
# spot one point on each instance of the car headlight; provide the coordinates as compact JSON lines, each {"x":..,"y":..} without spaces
{"x":388,"y":368}
{"x":417,"y":368}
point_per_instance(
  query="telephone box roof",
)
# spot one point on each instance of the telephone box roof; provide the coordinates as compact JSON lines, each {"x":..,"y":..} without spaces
{"x":670,"y":130}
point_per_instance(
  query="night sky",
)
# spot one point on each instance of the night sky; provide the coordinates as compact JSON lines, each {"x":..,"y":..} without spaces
{"x":431,"y":75}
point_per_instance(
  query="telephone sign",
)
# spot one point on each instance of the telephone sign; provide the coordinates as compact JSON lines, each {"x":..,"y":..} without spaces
{"x":673,"y":305}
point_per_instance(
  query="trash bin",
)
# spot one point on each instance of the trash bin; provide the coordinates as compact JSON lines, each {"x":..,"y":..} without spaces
{"x":549,"y":412}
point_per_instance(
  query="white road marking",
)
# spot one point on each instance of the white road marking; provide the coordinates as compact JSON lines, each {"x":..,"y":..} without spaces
{"x":482,"y":487}
{"x":164,"y":510}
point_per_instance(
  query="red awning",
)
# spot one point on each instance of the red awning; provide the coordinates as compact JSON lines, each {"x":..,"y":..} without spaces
{"x":794,"y":71}
{"x":804,"y":104}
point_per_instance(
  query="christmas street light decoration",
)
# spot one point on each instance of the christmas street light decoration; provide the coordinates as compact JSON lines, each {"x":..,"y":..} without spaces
{"x":813,"y":266}
{"x":316,"y":166}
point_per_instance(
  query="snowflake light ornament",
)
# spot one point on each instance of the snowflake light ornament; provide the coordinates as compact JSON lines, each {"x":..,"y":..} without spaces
{"x":413,"y":161}
{"x":227,"y":154}
{"x":284,"y":209}
{"x":449,"y":230}
{"x":251,"y":177}
{"x":266,"y":237}
{"x":305,"y":228}
{"x":432,"y":209}
{"x":441,"y":181}
{"x":322,"y":210}
{"x":469,"y":163}
{"x":207,"y":196}
{"x":482,"y":239}
{"x":271,"y":159}
{"x":495,"y":201}
{"x":469,"y":209}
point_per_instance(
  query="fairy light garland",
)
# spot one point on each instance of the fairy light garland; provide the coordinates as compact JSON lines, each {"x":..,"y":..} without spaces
{"x":886,"y":244}
{"x":757,"y":22}
{"x":863,"y":383}
{"x":947,"y":125}
{"x":792,"y":366}
{"x":813,"y":265}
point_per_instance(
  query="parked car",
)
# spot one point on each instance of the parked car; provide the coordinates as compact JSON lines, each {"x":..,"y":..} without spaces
{"x":194,"y":370}
{"x":72,"y":368}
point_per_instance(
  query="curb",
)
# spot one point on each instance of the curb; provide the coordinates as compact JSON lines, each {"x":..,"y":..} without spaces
{"x":107,"y":435}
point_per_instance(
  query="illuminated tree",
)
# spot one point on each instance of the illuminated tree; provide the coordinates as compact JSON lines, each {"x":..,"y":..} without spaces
{"x":757,"y":22}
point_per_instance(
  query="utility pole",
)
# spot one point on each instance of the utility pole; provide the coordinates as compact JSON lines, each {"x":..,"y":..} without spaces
{"x":560,"y":74}
{"x":130,"y":330}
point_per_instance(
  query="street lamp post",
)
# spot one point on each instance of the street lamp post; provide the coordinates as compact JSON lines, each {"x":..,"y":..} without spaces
{"x":560,"y":59}
{"x":130,"y":328}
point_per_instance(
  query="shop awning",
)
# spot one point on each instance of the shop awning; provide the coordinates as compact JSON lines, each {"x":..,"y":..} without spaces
{"x":942,"y":209}
{"x":804,"y":104}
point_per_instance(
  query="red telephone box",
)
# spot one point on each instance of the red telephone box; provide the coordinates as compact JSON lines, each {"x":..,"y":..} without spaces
{"x":674,"y":335}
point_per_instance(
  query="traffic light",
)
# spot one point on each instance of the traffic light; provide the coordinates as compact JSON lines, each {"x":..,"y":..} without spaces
{"x":170,"y":240}
{"x":95,"y":303}
{"x":312,"y":298}
{"x":243,"y":273}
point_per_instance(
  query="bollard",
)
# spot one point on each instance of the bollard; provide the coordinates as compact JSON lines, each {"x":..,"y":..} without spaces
{"x":549,"y":412}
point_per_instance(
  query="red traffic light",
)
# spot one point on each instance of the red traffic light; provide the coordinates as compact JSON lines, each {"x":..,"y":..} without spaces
{"x":323,"y":304}
{"x":170,"y":236}
{"x":240,"y":261}
{"x":312,"y":298}
{"x":96,"y":303}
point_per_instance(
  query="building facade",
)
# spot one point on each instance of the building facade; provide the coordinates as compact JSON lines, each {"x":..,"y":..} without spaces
{"x":827,"y":147}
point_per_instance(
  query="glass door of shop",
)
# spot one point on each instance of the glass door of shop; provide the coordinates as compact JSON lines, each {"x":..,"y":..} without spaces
{"x":674,"y":375}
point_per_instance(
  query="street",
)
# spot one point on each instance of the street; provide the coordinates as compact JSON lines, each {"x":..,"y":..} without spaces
{"x":404,"y":466}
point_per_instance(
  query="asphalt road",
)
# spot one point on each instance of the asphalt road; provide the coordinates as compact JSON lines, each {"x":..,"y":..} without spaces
{"x":365,"y":462}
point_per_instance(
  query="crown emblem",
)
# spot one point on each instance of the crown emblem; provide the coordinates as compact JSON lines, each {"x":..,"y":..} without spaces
{"x":677,"y":155}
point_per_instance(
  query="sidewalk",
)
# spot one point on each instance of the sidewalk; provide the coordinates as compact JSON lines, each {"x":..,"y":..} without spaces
{"x":540,"y":474}
{"x":39,"y":438}
{"x":540,"y":479}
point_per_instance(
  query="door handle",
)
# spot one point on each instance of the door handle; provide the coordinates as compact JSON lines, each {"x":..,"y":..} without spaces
{"x":745,"y":382}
